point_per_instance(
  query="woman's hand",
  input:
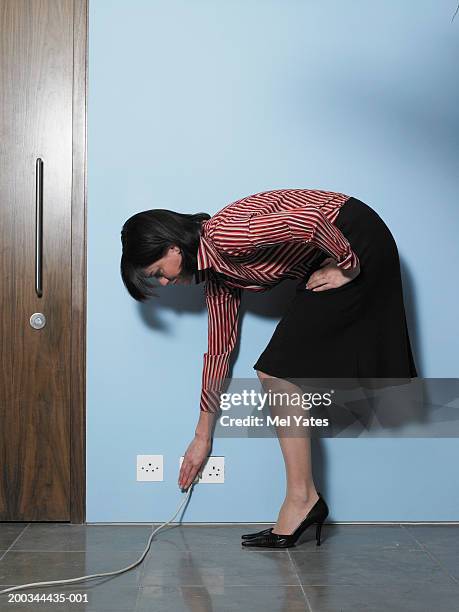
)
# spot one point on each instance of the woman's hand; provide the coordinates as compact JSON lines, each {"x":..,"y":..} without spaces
{"x":330,"y":276}
{"x":193,"y":459}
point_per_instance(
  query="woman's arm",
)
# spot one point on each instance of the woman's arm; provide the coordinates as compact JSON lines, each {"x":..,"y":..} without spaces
{"x":223,"y":304}
{"x":223,"y":315}
{"x":205,"y":427}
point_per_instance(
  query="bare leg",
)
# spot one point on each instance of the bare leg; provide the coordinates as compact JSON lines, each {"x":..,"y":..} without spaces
{"x":301,"y":494}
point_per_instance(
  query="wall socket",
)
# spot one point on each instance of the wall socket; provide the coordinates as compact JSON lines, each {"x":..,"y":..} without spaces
{"x":212,"y":472}
{"x":150,"y":467}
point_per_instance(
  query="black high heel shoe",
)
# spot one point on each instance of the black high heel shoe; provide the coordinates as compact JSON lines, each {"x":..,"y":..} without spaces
{"x":256,"y":534}
{"x":267,"y":539}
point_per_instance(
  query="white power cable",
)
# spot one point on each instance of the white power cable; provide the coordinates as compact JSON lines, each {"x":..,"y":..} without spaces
{"x":125,"y":569}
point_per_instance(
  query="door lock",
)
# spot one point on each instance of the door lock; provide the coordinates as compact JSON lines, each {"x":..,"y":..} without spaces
{"x":38,"y":320}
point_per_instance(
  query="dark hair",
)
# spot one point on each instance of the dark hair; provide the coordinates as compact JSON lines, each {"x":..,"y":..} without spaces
{"x":147,"y":235}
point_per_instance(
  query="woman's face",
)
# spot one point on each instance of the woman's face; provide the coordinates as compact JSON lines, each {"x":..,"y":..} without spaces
{"x":168,"y":269}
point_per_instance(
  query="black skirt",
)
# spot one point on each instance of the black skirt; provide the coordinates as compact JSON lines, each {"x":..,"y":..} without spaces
{"x":357,"y":330}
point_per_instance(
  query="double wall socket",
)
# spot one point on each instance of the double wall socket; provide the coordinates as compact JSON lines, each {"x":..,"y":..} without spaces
{"x":212,"y":472}
{"x":150,"y":467}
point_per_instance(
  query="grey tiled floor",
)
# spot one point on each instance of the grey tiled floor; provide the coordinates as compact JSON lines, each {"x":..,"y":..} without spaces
{"x":205,"y":568}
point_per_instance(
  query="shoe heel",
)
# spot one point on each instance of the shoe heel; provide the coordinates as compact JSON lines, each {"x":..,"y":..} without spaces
{"x":318,"y":531}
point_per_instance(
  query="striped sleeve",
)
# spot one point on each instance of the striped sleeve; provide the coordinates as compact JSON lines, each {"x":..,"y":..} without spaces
{"x":306,"y":224}
{"x":223,"y":314}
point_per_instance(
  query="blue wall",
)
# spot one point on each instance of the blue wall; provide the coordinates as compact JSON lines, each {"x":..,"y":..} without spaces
{"x":195,"y":104}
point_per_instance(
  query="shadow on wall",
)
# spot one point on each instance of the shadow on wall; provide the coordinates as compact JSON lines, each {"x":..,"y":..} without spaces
{"x":271,"y":304}
{"x":412,"y":318}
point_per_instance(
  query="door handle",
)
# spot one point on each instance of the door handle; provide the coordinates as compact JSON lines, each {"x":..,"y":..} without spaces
{"x":39,"y":227}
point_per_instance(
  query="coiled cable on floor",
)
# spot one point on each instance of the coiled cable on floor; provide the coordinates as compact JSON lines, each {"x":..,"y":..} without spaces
{"x":125,"y":569}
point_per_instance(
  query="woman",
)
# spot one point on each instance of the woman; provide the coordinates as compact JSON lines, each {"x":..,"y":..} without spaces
{"x":347,"y":318}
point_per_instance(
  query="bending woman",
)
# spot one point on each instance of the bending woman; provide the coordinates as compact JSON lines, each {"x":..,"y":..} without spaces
{"x":347,"y":318}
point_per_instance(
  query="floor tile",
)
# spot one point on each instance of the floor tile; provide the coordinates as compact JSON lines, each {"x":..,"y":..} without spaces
{"x":435,"y":537}
{"x":102,"y":595}
{"x":204,"y":567}
{"x":66,"y":537}
{"x":357,"y":538}
{"x":224,"y":599}
{"x":8,"y":533}
{"x":169,"y":564}
{"x":196,"y":537}
{"x":409,"y":598}
{"x":440,"y":541}
{"x":25,"y":567}
{"x":376,"y":568}
{"x":449,"y":560}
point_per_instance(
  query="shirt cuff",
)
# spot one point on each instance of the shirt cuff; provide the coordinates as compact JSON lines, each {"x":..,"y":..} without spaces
{"x":215,"y":369}
{"x":348,"y":261}
{"x":210,"y":401}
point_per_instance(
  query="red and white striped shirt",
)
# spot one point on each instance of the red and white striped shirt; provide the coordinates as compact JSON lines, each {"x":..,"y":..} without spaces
{"x":255,"y":243}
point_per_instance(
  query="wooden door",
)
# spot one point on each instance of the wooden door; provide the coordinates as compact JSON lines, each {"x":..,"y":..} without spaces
{"x":41,"y":382}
